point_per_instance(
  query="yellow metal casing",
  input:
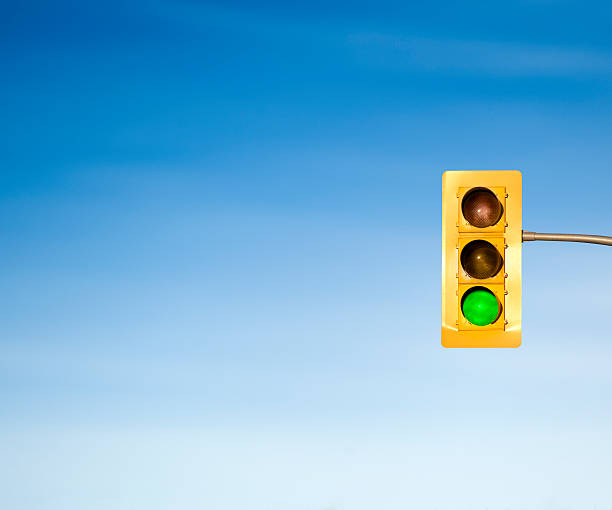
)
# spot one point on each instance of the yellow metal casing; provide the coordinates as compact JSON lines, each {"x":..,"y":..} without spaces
{"x":506,"y":236}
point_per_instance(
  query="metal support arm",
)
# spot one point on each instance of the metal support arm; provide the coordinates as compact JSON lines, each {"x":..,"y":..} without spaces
{"x":572,"y":238}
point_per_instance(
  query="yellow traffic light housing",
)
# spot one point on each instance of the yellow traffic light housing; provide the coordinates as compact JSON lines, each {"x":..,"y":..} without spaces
{"x":481,"y":258}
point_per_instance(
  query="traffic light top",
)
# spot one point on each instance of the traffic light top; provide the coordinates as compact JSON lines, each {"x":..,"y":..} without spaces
{"x":481,"y":208}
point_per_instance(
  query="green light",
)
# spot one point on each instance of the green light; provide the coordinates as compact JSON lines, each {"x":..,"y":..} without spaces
{"x":480,"y":306}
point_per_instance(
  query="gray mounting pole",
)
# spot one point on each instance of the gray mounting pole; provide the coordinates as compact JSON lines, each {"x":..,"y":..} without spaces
{"x":572,"y":238}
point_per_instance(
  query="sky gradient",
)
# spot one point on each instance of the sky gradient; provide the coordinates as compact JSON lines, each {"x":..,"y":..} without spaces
{"x":221,"y":229}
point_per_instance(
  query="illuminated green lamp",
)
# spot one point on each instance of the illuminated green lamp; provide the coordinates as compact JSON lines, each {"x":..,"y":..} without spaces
{"x":480,"y":307}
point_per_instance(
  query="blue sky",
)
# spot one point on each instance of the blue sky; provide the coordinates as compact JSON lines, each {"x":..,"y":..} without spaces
{"x":221,"y":263}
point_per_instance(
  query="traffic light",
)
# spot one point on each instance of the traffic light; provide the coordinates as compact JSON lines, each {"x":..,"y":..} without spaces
{"x":481,"y":258}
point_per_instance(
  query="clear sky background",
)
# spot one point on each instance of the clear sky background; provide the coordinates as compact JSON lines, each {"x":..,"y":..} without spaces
{"x":220,"y":229}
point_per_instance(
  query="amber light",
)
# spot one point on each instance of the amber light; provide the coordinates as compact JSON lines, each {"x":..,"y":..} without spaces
{"x":480,"y":259}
